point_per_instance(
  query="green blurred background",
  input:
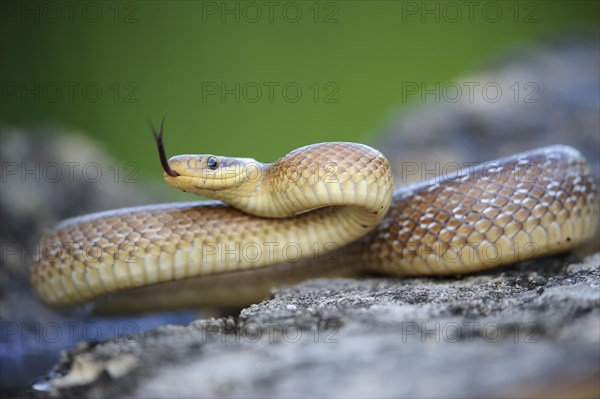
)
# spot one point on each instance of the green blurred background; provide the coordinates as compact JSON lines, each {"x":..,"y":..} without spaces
{"x":106,"y":68}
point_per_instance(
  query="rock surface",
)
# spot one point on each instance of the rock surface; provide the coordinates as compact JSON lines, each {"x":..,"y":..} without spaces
{"x":532,"y":330}
{"x":529,"y":331}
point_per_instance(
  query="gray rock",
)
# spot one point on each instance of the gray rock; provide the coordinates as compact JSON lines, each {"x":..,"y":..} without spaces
{"x":530,"y":330}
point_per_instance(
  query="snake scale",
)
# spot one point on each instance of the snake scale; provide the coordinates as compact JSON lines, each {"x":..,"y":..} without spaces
{"x":326,"y":209}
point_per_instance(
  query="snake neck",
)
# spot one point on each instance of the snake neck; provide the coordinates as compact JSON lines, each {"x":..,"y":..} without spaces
{"x":347,"y":175}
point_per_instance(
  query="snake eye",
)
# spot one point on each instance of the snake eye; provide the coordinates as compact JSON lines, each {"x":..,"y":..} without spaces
{"x":212,"y":163}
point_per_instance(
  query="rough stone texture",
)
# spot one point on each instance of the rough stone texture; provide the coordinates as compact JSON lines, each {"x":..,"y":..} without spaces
{"x":531,"y":330}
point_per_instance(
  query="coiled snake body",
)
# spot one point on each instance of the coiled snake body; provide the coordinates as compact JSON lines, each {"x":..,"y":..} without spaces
{"x":325,"y":209}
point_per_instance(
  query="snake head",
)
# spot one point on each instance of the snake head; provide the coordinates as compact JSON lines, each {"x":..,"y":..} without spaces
{"x":224,"y":178}
{"x":213,"y":176}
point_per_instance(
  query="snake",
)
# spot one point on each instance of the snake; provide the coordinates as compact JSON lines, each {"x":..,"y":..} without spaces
{"x":323,"y":210}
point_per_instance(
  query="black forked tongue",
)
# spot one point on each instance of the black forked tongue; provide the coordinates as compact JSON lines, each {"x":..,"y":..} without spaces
{"x":158,"y":137}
